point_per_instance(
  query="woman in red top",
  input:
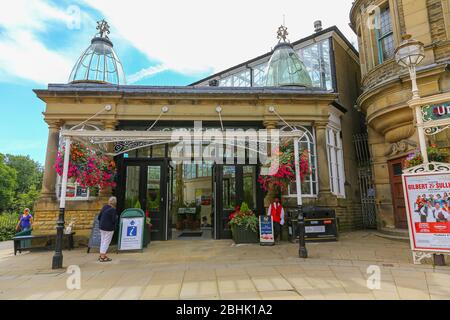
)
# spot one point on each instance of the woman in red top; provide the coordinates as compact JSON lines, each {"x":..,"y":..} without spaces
{"x":277,"y":212}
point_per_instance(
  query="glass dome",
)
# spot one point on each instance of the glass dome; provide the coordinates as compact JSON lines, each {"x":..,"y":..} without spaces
{"x":286,"y":69}
{"x":98,"y":64}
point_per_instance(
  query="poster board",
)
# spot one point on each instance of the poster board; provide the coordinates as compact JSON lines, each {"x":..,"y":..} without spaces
{"x":266,"y":235}
{"x":427,"y":197}
{"x":131,"y":233}
{"x":95,"y":238}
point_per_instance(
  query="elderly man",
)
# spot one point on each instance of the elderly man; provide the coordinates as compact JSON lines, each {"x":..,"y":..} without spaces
{"x":108,"y":220}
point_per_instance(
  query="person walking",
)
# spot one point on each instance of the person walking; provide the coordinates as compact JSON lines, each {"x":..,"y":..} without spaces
{"x":108,"y":221}
{"x":26,"y":221}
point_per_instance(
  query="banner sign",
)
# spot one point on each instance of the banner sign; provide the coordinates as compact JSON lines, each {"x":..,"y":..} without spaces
{"x":428,"y":200}
{"x":436,"y":112}
{"x":266,"y":236}
{"x":131,"y":233}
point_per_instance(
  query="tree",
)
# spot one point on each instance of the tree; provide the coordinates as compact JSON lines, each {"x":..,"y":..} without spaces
{"x":25,"y":200}
{"x":8,"y":185}
{"x":29,"y":172}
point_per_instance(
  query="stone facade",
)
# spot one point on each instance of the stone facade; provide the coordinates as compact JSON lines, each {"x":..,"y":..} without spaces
{"x":387,"y":87}
{"x":73,"y":103}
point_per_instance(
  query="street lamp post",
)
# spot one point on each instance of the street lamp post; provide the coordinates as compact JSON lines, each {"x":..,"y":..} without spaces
{"x":302,"y":251}
{"x":409,"y":54}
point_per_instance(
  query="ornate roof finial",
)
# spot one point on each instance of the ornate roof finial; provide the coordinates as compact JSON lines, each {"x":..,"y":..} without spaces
{"x":103,"y":28}
{"x":282,"y":34}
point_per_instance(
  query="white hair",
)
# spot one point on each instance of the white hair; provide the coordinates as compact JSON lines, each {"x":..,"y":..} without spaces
{"x":112,"y":201}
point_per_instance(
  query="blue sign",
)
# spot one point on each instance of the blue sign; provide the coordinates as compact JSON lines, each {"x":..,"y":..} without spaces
{"x":132,"y":230}
{"x":266,"y":236}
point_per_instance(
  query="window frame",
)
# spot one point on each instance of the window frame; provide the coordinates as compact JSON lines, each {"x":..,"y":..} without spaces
{"x":335,"y":157}
{"x":381,"y":37}
{"x":310,"y":137}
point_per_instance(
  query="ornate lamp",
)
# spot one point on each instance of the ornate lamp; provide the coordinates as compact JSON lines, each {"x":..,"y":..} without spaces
{"x":409,"y":54}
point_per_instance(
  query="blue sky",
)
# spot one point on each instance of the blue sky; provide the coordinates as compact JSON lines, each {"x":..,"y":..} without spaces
{"x":160,"y":42}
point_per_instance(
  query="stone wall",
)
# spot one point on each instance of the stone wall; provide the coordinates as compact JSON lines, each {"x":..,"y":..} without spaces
{"x":46,"y":213}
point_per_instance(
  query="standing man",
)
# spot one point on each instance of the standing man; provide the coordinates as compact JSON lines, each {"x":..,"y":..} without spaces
{"x":277,"y":212}
{"x":108,"y":220}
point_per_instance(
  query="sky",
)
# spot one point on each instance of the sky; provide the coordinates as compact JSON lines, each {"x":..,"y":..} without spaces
{"x":159,"y":42}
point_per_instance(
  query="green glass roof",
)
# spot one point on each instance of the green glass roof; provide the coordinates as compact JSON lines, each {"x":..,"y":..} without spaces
{"x":286,"y":69}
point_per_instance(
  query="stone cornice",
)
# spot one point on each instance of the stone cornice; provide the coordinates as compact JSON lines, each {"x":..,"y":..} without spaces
{"x":121,"y":93}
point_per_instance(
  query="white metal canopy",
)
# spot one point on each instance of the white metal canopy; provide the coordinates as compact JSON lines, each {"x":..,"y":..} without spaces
{"x":125,"y":141}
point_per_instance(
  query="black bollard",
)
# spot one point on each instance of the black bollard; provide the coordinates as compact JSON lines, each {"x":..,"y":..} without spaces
{"x":57,"y":262}
{"x":302,"y":251}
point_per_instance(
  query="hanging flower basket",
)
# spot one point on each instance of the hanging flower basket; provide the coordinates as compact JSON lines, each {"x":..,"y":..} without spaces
{"x":282,"y":170}
{"x":434,"y":155}
{"x":86,"y":167}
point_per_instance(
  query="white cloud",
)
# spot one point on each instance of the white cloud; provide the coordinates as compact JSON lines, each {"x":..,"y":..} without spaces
{"x":194,"y":36}
{"x":186,"y":36}
{"x":22,"y":54}
{"x":150,"y":71}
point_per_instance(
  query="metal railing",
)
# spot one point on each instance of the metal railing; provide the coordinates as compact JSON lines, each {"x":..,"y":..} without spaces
{"x":360,"y":141}
{"x":365,"y":179}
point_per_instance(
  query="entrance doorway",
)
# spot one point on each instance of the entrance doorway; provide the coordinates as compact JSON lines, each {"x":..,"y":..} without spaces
{"x":233,"y":185}
{"x":398,"y":198}
{"x":187,"y":201}
{"x":145,"y":184}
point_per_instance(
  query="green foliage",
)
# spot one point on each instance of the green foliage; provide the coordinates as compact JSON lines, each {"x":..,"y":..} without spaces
{"x":245,"y":208}
{"x":8,"y":224}
{"x":20,"y":182}
{"x":29,"y":172}
{"x":244,"y":217}
{"x":8,"y":185}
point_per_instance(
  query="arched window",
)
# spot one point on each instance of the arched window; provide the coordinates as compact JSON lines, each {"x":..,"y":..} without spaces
{"x":310,"y":184}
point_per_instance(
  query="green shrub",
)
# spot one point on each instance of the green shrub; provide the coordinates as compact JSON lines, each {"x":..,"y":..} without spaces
{"x":244,"y":217}
{"x":8,"y":224}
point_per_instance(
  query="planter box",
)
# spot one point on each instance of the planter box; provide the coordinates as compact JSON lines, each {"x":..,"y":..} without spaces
{"x":242,"y":235}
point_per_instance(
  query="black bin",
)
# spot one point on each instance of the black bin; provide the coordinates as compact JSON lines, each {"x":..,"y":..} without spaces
{"x":320,"y":224}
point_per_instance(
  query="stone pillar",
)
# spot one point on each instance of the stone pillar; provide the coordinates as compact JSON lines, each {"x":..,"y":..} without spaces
{"x":322,"y":159}
{"x":269,"y":125}
{"x":108,"y":125}
{"x":49,"y":179}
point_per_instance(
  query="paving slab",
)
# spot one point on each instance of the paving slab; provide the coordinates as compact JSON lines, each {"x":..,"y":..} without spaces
{"x":208,"y":269}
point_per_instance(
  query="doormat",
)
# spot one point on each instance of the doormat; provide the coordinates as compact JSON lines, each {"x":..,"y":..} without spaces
{"x":190,"y":234}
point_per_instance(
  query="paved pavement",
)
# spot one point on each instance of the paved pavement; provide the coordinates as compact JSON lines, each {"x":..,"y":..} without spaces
{"x":211,"y":269}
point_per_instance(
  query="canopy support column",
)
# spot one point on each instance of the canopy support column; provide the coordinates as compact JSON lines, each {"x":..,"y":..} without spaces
{"x":57,"y":262}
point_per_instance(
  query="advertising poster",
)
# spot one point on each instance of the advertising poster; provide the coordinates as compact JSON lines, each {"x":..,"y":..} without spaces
{"x":428,"y":199}
{"x":131,"y":233}
{"x":266,"y":230}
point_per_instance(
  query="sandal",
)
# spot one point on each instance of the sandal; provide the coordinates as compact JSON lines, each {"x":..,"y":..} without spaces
{"x":105,"y":259}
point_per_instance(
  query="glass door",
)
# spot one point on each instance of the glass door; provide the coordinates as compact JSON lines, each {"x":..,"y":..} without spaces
{"x":145,"y":186}
{"x":154,"y":191}
{"x":233,"y":185}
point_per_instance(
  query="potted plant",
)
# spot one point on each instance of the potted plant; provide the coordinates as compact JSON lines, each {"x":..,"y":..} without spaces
{"x":244,"y":225}
{"x":434,"y":155}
